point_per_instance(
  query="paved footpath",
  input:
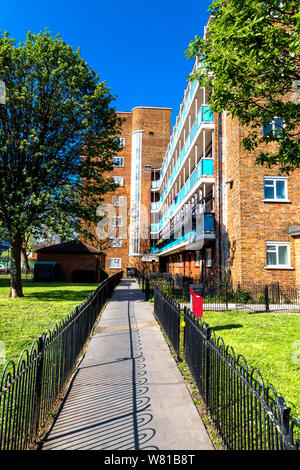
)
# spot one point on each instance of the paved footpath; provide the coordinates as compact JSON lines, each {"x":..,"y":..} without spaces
{"x":128,"y":393}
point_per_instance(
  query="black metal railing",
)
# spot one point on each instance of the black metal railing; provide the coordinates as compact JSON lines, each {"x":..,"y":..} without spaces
{"x":247,"y":414}
{"x":167,"y":313}
{"x":219,"y":296}
{"x":29,"y":389}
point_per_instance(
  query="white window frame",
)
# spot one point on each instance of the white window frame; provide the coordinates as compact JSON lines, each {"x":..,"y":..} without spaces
{"x":208,"y":257}
{"x":272,"y":124}
{"x":119,"y":180}
{"x":116,"y":242}
{"x":274,"y":179}
{"x":116,"y":221}
{"x":277,"y":245}
{"x":112,"y":263}
{"x":197,"y":258}
{"x":122,"y":141}
{"x":118,"y":161}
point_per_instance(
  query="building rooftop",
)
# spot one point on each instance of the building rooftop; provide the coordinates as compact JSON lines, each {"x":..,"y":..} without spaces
{"x":69,"y":247}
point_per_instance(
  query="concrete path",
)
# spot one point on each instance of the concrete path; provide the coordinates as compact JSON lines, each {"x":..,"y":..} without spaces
{"x":128,"y":392}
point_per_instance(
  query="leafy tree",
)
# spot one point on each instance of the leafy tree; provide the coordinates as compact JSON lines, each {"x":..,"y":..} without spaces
{"x":58,"y":133}
{"x":250,"y":59}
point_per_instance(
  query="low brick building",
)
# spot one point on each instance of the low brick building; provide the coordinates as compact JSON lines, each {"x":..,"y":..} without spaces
{"x":77,"y":262}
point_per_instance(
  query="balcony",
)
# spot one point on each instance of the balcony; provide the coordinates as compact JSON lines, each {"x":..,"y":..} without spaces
{"x":193,"y":238}
{"x":178,"y":125}
{"x":205,"y":115}
{"x":204,"y":167}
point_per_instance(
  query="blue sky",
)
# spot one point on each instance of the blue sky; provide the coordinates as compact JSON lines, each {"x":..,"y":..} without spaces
{"x":137,"y":47}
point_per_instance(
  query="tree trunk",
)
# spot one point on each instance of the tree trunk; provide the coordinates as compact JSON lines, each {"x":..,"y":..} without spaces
{"x":15,"y":267}
{"x":25,"y":256}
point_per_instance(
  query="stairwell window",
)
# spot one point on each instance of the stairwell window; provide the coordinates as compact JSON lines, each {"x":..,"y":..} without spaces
{"x":115,"y":263}
{"x":116,"y":221}
{"x":118,"y":161}
{"x":116,"y":243}
{"x":277,"y":255}
{"x":119,"y":180}
{"x":117,"y":201}
{"x":275,"y":188}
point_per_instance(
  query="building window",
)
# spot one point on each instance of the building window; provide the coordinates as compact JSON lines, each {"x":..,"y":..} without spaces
{"x":180,"y":260}
{"x":118,"y":161}
{"x":275,"y":188}
{"x":122,"y":141}
{"x":277,"y":255}
{"x":208,"y":257}
{"x":197,"y":258}
{"x":115,"y":263}
{"x":117,"y":201}
{"x":116,"y":221}
{"x":116,"y":243}
{"x":274,"y":126}
{"x":119,"y":180}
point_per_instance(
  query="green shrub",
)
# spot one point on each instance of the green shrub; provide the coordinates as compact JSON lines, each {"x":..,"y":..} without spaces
{"x":242,"y":297}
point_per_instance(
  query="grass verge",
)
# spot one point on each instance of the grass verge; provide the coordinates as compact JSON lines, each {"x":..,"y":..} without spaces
{"x":269,"y":342}
{"x":24,"y":319}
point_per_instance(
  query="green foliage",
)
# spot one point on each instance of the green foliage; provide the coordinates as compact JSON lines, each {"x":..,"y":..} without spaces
{"x":252,"y":50}
{"x":56,"y":111}
{"x":242,"y":297}
{"x":58,"y":133}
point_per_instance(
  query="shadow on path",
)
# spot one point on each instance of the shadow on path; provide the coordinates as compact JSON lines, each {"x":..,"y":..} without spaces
{"x":107,"y":405}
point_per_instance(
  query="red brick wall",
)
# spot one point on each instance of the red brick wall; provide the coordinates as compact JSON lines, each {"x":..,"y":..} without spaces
{"x":252,"y":222}
{"x":67,"y":263}
{"x":156,"y":125}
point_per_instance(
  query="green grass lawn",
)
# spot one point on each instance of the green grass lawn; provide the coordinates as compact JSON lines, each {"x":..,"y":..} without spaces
{"x":23,"y":320}
{"x":269,"y":342}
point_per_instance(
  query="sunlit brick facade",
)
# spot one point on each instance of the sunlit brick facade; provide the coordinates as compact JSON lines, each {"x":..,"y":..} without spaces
{"x":145,"y":136}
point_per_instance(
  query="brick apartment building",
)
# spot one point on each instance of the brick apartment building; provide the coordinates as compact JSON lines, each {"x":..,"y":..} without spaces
{"x":220,"y":214}
{"x":145,"y":136}
{"x":212,"y":211}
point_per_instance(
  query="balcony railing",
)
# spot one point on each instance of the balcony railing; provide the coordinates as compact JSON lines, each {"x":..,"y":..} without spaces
{"x":204,"y":167}
{"x":209,"y":227}
{"x":205,"y":115}
{"x":179,"y":124}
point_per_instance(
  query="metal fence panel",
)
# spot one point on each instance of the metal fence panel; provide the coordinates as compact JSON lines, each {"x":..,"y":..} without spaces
{"x":29,"y":389}
{"x":167,"y":312}
{"x":248,"y":414}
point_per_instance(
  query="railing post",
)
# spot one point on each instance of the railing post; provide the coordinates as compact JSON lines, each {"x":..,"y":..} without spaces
{"x":147,"y":290}
{"x":267,"y":303}
{"x":207,"y":365}
{"x":38,"y":389}
{"x":226,"y":295}
{"x":284,"y":420}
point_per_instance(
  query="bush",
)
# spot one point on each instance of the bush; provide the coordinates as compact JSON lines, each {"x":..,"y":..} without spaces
{"x":260,"y":298}
{"x":242,"y":297}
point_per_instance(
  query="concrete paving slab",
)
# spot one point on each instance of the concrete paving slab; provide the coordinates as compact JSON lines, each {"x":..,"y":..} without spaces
{"x":128,"y":392}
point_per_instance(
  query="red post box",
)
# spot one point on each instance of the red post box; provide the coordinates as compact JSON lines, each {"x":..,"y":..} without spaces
{"x":196,"y":304}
